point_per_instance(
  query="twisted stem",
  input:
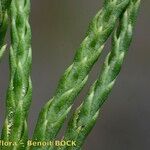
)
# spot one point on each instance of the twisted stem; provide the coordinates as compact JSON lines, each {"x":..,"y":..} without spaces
{"x":19,"y":93}
{"x":53,"y":114}
{"x":84,"y":118}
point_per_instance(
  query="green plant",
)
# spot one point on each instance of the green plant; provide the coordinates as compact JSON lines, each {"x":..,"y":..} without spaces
{"x":19,"y":93}
{"x":85,"y":116}
{"x":54,"y":113}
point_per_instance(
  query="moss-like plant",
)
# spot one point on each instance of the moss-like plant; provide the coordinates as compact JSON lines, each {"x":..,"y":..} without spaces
{"x":54,"y":113}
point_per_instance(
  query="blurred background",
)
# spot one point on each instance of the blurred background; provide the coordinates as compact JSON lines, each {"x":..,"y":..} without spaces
{"x":58,"y":27}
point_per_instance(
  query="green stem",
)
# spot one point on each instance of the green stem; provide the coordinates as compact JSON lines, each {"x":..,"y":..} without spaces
{"x":19,"y":93}
{"x":84,"y":118}
{"x":53,"y":114}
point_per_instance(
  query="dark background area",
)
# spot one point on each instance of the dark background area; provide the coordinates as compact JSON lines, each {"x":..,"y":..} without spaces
{"x":58,"y":27}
